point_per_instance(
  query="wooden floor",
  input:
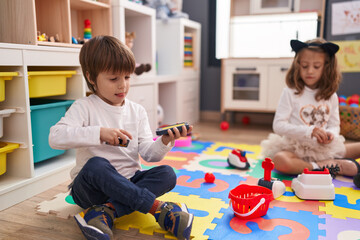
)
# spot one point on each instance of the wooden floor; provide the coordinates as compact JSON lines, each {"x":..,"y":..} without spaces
{"x":22,"y":222}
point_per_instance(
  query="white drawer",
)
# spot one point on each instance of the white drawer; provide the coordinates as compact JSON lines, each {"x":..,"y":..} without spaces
{"x":191,"y":89}
{"x":10,"y":57}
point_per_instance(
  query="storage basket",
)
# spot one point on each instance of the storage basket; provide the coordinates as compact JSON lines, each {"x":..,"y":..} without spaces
{"x":48,"y":83}
{"x":6,"y":148}
{"x":249,"y":201}
{"x":350,"y":122}
{"x":44,"y":114}
{"x":5,"y":76}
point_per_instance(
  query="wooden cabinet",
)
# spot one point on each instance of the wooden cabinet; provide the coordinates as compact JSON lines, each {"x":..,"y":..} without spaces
{"x":252,"y":84}
{"x":21,"y":20}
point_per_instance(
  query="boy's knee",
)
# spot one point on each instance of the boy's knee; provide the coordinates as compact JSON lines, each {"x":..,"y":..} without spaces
{"x":96,"y":163}
{"x":169,"y":175}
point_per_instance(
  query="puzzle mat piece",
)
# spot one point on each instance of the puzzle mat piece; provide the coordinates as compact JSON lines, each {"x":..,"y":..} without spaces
{"x":196,"y":147}
{"x":193,"y":182}
{"x":349,"y":235}
{"x":276,"y":224}
{"x":204,"y":210}
{"x":335,"y":228}
{"x":258,"y":172}
{"x":216,"y":163}
{"x":176,"y":160}
{"x":343,"y":181}
{"x":223,"y":149}
{"x":289,"y":201}
{"x":345,"y":205}
{"x":58,"y":206}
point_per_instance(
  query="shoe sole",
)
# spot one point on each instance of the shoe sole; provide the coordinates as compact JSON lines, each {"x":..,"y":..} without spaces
{"x":90,"y":232}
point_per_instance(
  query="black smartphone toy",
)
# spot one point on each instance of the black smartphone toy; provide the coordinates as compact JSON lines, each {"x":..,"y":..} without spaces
{"x":164,"y":130}
{"x":125,"y":144}
{"x":121,"y":143}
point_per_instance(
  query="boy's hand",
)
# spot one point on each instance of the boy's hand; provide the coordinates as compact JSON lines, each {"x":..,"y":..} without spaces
{"x":322,"y":136}
{"x":170,"y":137}
{"x":111,"y":135}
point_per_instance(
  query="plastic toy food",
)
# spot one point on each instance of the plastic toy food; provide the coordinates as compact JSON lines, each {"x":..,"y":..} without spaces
{"x":237,"y":159}
{"x":209,"y":178}
{"x":314,"y":185}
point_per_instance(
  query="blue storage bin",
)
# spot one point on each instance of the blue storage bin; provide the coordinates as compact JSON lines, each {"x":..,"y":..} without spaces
{"x":44,"y":114}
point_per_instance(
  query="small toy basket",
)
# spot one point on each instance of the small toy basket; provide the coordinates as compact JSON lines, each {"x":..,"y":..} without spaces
{"x":350,"y":122}
{"x":250,"y":201}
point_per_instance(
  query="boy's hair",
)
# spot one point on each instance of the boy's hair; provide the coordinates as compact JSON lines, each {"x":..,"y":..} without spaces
{"x":331,"y":75}
{"x":105,"y":54}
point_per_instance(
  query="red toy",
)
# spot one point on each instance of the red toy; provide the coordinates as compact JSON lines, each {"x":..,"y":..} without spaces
{"x":224,"y":125}
{"x":249,"y":201}
{"x":278,"y":187}
{"x":245,"y":120}
{"x":209,"y":178}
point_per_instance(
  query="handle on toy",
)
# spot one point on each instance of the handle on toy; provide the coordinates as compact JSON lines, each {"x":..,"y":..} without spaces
{"x":261,"y":202}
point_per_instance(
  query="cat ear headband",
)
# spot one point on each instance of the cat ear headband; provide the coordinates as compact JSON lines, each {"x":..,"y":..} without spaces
{"x":330,"y":48}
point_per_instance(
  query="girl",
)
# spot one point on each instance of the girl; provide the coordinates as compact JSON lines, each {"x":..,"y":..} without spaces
{"x":306,"y":122}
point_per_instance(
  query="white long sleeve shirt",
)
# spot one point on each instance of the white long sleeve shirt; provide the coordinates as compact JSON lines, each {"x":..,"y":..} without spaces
{"x":80,"y":129}
{"x":297,"y":115}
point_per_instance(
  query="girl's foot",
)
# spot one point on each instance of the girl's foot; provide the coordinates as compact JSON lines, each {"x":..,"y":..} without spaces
{"x":346,"y":167}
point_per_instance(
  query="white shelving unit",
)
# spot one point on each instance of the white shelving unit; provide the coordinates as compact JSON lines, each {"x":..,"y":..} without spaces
{"x":132,"y":17}
{"x":23,"y":178}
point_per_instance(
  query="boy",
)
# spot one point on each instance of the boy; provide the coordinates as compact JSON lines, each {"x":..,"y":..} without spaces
{"x":109,"y":132}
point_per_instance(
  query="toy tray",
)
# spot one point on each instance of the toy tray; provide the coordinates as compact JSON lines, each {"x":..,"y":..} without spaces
{"x":249,"y":201}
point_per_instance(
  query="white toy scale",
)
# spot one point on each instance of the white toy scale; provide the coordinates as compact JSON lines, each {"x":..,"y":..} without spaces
{"x":314,"y":185}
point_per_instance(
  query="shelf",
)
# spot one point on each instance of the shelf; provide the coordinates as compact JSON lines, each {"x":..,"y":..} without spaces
{"x":88,"y":4}
{"x":246,"y":88}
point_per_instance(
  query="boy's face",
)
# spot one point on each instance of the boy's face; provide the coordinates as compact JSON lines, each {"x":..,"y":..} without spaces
{"x":113,"y":87}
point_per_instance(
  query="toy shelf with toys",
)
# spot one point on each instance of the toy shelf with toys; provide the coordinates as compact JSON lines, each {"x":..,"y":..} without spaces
{"x":28,"y":75}
{"x":52,"y":23}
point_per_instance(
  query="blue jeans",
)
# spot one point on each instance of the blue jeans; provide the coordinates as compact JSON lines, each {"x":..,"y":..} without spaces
{"x":98,"y":182}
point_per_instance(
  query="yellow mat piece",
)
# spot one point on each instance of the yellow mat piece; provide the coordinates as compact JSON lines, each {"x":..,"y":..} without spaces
{"x":147,"y":225}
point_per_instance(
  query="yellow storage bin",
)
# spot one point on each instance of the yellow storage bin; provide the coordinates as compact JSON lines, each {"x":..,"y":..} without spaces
{"x":48,"y":83}
{"x":5,"y":76}
{"x":6,"y":148}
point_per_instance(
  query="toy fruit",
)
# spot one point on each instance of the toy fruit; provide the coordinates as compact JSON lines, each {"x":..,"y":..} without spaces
{"x":224,"y":125}
{"x":209,"y":178}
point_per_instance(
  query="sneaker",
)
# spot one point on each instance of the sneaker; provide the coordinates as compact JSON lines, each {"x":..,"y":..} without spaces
{"x":346,"y":167}
{"x":96,"y":222}
{"x":175,"y":218}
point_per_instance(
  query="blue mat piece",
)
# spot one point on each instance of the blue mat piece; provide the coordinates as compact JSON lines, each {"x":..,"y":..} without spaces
{"x":196,"y":147}
{"x":196,"y":185}
{"x":342,"y":201}
{"x":307,"y":219}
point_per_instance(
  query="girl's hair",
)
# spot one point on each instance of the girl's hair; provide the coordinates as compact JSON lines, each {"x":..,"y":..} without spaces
{"x":105,"y":54}
{"x":331,"y":75}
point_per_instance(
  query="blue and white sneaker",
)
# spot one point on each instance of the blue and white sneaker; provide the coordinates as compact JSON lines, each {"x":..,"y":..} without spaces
{"x":96,"y":222}
{"x":175,"y":218}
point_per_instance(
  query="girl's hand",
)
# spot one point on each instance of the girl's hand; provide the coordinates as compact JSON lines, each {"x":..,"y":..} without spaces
{"x":111,"y":135}
{"x":170,"y":137}
{"x":322,"y":136}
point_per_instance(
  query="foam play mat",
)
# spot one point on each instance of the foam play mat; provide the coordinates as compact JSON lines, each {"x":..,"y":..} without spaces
{"x":287,"y":217}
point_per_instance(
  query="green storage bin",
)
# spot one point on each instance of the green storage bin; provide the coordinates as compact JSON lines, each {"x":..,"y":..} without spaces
{"x":44,"y":114}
